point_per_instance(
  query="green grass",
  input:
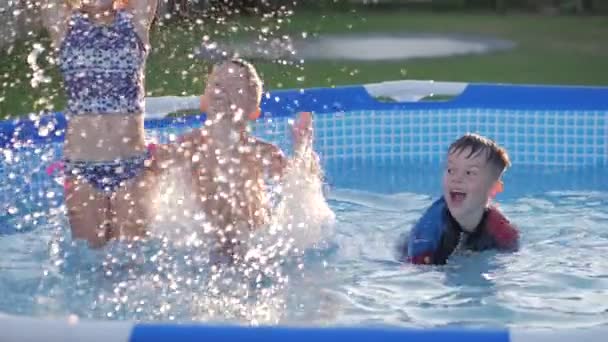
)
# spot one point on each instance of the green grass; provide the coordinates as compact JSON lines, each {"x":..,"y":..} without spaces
{"x":550,"y":50}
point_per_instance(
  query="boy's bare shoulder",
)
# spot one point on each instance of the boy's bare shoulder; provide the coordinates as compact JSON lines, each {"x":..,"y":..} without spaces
{"x":264,"y":146}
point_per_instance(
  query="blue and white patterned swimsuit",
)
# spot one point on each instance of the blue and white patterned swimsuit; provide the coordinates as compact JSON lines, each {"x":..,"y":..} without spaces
{"x":103,"y":70}
{"x":103,"y":66}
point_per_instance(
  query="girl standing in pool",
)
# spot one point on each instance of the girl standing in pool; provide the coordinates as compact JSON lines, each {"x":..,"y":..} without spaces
{"x":101,"y":48}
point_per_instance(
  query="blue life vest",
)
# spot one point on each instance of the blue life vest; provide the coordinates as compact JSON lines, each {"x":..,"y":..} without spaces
{"x":425,"y":236}
{"x":434,"y":237}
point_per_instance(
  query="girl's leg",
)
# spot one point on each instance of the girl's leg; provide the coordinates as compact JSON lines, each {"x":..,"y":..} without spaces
{"x":134,"y":206}
{"x":88,"y":212}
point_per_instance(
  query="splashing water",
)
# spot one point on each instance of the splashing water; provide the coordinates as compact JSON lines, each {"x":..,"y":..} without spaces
{"x":37,"y":72}
{"x":29,"y":79}
{"x":303,"y":214}
{"x":170,"y":276}
{"x":178,"y":261}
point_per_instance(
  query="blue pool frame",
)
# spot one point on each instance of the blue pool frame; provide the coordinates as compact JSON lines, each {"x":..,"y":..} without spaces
{"x":543,"y":125}
{"x":539,"y":125}
{"x":563,"y":99}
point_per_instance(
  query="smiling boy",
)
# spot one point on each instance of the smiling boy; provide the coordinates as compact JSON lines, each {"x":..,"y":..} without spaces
{"x":463,"y":218}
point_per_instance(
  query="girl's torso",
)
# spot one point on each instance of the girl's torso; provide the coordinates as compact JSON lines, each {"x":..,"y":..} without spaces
{"x":103,"y":71}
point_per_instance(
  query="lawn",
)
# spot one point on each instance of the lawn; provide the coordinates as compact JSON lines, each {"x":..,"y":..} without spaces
{"x":550,"y":50}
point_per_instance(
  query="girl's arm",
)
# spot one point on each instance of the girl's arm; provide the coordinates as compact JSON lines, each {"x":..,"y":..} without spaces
{"x":55,"y":15}
{"x":143,"y":12}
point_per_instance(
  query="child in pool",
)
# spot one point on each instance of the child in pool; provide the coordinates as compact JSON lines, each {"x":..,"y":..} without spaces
{"x":464,"y":217}
{"x":102,"y":47}
{"x":227,"y":164}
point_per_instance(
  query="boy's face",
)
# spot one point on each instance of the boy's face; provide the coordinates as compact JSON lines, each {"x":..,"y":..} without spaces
{"x":226,"y":87}
{"x":212,"y":89}
{"x":467,"y":182}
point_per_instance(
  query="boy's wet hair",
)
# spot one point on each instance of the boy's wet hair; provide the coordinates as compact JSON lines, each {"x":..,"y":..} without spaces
{"x":496,"y":155}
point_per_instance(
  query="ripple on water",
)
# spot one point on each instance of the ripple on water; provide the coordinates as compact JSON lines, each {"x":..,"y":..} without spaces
{"x":558,"y":279}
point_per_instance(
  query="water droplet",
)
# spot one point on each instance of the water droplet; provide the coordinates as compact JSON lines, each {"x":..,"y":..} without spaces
{"x":73,"y":319}
{"x":12,"y":210}
{"x":43,"y":131}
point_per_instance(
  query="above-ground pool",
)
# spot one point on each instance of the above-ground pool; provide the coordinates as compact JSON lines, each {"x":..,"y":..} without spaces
{"x":382,"y":163}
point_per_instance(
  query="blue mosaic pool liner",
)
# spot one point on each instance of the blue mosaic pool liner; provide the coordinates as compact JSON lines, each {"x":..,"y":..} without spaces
{"x":539,"y":125}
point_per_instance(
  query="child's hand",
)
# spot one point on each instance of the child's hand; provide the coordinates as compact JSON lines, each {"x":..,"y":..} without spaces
{"x":302,"y":131}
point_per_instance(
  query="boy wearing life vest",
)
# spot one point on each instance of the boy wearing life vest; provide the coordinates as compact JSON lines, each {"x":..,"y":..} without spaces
{"x":464,"y":218}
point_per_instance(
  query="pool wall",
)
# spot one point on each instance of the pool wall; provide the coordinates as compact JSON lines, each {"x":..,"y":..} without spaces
{"x":554,"y":126}
{"x":539,"y":125}
{"x":20,"y":329}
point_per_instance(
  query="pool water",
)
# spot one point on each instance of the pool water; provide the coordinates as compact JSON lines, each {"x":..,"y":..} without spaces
{"x":559,"y":278}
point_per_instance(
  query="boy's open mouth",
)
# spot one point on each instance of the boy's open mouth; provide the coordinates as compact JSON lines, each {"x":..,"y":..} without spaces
{"x":457,"y":197}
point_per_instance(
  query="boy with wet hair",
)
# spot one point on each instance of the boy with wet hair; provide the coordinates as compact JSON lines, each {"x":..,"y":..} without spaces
{"x":464,"y":218}
{"x":227,"y":163}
